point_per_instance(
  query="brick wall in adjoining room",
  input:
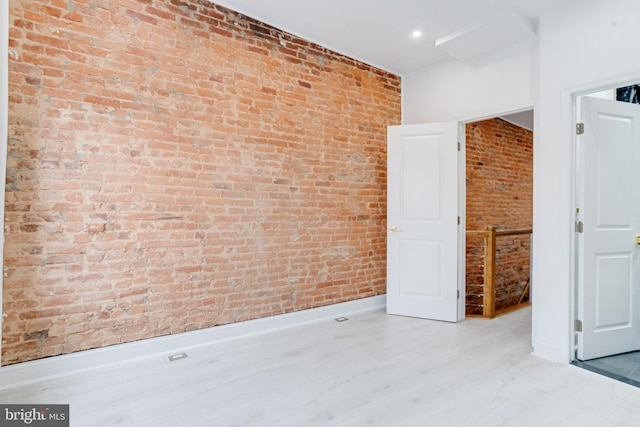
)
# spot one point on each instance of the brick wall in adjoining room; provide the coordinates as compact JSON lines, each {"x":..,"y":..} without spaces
{"x":499,"y":194}
{"x":173,"y":165}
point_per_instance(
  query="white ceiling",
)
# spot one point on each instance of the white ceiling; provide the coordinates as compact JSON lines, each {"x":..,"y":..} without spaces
{"x":379,"y":32}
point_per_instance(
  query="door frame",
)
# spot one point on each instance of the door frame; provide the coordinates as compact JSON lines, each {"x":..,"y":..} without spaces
{"x":574,"y":95}
{"x":462,"y":215}
{"x":462,"y":204}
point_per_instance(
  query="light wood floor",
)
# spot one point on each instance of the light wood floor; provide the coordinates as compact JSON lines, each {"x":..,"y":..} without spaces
{"x":373,"y":369}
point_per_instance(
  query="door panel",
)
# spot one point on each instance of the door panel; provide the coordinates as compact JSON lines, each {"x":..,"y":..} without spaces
{"x":420,"y":259}
{"x":609,"y":288}
{"x":613,"y":293}
{"x":421,"y":177}
{"x":422,"y":212}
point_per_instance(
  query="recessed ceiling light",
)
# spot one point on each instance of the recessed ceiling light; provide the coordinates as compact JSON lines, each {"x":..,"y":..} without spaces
{"x":416,"y":34}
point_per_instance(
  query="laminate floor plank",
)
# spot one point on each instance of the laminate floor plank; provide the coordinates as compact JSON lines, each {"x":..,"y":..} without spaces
{"x":373,"y":369}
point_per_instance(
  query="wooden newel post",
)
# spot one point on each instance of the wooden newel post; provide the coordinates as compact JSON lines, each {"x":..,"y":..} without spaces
{"x":489,"y":303}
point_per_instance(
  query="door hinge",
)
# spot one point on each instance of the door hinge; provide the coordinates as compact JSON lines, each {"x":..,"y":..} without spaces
{"x":458,"y":146}
{"x":578,"y":325}
{"x":579,"y":227}
{"x":458,"y":294}
{"x":579,"y":128}
{"x":458,"y":220}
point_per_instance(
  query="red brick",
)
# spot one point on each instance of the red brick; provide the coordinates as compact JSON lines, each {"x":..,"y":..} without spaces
{"x":155,"y":188}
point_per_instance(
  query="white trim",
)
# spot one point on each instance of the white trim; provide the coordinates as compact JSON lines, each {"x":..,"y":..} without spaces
{"x":576,"y":267}
{"x":58,"y":366}
{"x":4,"y":120}
{"x":462,"y":227}
{"x":547,"y":351}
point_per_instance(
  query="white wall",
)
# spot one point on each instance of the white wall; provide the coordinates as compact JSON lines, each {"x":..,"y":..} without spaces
{"x":495,"y":83}
{"x":582,"y":49}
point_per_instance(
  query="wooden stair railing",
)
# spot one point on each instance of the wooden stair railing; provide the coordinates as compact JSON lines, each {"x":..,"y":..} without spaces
{"x":489,"y":291}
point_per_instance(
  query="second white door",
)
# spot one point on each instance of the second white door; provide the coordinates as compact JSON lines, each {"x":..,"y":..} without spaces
{"x":609,"y":272}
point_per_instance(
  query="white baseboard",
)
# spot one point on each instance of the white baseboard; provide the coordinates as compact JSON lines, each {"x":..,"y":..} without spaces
{"x":58,"y":366}
{"x":548,"y":352}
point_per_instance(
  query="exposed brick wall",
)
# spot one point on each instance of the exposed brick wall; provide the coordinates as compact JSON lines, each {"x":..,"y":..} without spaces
{"x":499,"y":194}
{"x":175,"y":165}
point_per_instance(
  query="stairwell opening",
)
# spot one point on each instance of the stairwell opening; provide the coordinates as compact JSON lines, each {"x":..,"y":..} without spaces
{"x":499,"y":215}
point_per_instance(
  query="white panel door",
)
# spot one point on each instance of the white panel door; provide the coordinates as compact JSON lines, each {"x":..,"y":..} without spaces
{"x":609,"y":276}
{"x":422,"y":221}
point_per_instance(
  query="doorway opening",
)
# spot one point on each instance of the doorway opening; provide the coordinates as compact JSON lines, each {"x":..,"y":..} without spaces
{"x":606,"y":329}
{"x":499,"y":214}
